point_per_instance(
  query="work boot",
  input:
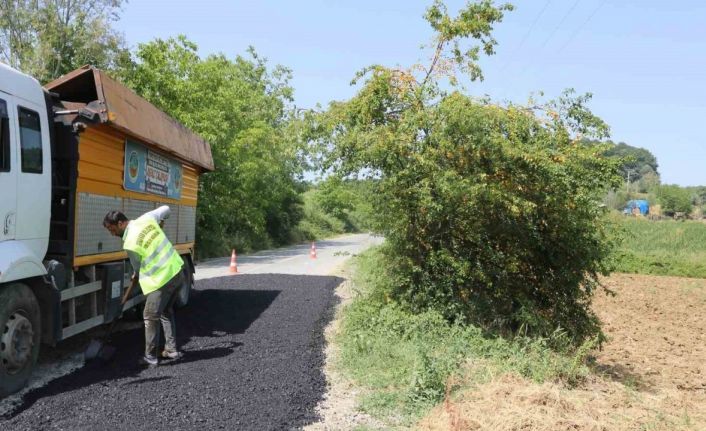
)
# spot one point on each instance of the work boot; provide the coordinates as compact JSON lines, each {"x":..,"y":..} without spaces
{"x":149,"y":360}
{"x":169,"y":354}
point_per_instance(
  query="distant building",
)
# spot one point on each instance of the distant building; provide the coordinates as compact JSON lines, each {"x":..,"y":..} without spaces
{"x":637,"y":207}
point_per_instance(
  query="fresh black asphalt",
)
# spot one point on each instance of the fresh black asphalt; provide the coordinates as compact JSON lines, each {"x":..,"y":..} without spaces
{"x":254,"y":354}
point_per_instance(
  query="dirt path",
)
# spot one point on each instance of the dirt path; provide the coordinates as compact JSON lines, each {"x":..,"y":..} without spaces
{"x":651,"y":375}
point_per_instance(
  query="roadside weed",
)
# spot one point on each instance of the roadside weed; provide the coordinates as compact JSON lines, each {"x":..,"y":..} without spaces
{"x":410,"y":361}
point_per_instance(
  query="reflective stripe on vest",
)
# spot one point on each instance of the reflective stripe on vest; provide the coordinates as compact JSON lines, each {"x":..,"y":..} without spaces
{"x":148,"y":261}
{"x":154,"y":268}
{"x":159,"y":261}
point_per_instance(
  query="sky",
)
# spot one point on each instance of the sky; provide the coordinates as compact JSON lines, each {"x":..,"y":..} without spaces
{"x":644,"y":61}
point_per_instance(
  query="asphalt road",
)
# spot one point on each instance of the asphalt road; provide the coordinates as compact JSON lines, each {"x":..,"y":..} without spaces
{"x":253,"y":346}
{"x":330,"y":254}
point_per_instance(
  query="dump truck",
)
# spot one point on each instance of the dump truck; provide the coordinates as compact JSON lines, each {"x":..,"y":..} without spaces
{"x":70,"y":152}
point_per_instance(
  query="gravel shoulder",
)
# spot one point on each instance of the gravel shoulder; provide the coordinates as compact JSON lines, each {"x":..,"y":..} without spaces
{"x":338,"y":411}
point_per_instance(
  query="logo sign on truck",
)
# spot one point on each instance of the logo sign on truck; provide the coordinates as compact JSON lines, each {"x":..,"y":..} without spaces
{"x":149,"y":172}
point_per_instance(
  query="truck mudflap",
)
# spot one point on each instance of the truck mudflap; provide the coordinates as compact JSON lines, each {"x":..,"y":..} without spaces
{"x":112,"y":277}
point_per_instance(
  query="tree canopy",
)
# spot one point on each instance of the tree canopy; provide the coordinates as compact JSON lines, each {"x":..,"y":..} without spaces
{"x":48,"y":38}
{"x":635,"y":161}
{"x":241,"y":107}
{"x":675,"y":199}
{"x":490,"y":212}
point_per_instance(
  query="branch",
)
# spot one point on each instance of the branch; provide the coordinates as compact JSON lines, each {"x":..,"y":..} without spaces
{"x":437,"y":56}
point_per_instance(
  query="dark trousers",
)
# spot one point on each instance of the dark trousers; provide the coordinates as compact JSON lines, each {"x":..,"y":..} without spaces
{"x":159,"y":307}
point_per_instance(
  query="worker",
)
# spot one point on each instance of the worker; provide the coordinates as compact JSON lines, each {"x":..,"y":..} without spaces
{"x":158,"y":268}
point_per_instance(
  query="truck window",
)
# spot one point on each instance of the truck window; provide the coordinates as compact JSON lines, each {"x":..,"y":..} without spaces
{"x":30,"y":141}
{"x":4,"y":138}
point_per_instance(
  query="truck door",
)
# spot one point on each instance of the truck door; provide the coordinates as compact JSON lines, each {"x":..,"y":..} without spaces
{"x":33,"y":176}
{"x":8,"y":169}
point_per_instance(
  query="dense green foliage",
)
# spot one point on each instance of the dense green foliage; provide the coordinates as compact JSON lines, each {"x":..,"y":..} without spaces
{"x":698,"y":198}
{"x":47,"y":39}
{"x":406,"y":359}
{"x":638,"y":168}
{"x":335,"y":206}
{"x":316,"y":222}
{"x":642,"y":181}
{"x":491,"y":213}
{"x":699,"y":194}
{"x":661,"y":247}
{"x":674,"y":199}
{"x":634,"y":161}
{"x":348,"y":201}
{"x":240,"y":107}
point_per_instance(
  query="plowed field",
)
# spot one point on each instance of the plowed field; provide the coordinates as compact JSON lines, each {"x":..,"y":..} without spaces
{"x":650,"y":375}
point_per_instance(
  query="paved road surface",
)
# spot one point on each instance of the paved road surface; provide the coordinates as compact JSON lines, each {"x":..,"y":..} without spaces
{"x":292,"y":260}
{"x":253,"y":346}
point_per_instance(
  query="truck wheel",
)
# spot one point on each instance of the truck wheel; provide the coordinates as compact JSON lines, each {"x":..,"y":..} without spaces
{"x":185,"y":291}
{"x":19,"y":337}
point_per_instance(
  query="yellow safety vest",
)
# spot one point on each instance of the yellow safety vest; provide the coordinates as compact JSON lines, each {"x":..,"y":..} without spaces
{"x":159,"y":260}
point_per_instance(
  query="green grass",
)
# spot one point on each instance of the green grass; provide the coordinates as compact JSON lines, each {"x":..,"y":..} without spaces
{"x":406,"y":359}
{"x":663,"y":247}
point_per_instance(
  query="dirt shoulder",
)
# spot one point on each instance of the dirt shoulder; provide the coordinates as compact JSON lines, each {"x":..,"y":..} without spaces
{"x":339,"y":410}
{"x":651,"y":374}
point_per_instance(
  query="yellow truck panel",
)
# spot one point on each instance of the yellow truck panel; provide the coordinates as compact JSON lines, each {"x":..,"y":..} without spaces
{"x":100,"y":168}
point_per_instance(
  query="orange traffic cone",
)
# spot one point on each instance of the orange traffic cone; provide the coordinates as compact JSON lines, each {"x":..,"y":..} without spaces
{"x":233,"y":263}
{"x":312,"y":253}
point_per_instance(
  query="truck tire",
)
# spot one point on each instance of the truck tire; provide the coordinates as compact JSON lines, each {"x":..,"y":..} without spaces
{"x":20,"y":334}
{"x":185,"y":291}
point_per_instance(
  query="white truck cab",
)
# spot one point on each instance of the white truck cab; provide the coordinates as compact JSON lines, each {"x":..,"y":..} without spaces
{"x":25,"y":196}
{"x":25,"y":176}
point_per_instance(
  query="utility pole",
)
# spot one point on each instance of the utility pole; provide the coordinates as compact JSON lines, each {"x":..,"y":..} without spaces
{"x":627,"y":184}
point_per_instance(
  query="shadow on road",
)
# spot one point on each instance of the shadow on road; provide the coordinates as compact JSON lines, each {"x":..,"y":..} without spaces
{"x":214,"y":312}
